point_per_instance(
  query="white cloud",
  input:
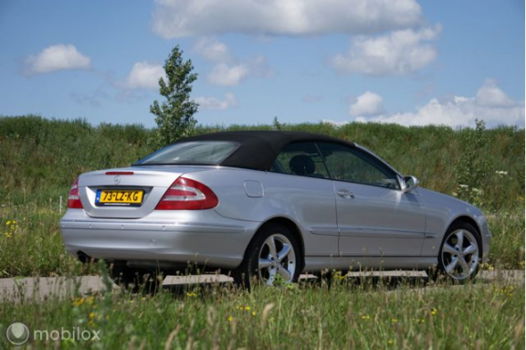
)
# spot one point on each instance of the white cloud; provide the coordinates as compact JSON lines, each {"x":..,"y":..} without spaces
{"x":144,"y":75}
{"x":212,"y":50}
{"x":492,"y":96}
{"x":55,"y":58}
{"x":399,"y":52}
{"x":228,"y":75}
{"x":228,"y":70}
{"x":490,"y":104}
{"x":367,"y":104}
{"x":217,"y":104}
{"x":334,"y":122}
{"x":181,"y":18}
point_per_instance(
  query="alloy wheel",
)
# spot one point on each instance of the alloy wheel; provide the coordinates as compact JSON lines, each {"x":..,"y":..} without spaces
{"x":276,"y":257}
{"x":460,"y":254}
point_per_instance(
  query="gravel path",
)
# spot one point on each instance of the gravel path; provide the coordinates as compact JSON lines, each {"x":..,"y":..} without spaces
{"x":43,"y":288}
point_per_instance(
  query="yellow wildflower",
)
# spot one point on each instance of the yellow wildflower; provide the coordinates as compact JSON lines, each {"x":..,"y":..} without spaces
{"x":78,"y":301}
{"x":92,"y":315}
{"x":394,"y":320}
{"x":338,"y":275}
{"x":253,"y":313}
{"x":8,"y":235}
{"x":488,"y":267}
{"x":390,"y":342}
{"x":191,"y":294}
{"x":365,"y":317}
{"x":433,"y":311}
{"x":230,"y":318}
{"x":507,"y":290}
{"x":247,"y":308}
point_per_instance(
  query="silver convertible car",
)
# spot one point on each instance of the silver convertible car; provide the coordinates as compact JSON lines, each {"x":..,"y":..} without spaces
{"x":268,"y":205}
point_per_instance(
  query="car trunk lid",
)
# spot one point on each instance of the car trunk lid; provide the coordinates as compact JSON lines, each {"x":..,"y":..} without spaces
{"x":141,"y":187}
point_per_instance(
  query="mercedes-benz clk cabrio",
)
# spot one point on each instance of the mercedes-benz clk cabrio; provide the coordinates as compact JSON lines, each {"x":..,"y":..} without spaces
{"x":267,"y":206}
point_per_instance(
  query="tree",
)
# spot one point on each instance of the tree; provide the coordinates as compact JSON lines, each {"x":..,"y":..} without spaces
{"x":276,"y":124}
{"x":174,"y":117}
{"x":473,"y":169}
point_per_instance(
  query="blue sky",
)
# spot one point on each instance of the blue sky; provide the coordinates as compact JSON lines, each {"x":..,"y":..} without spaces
{"x":408,"y":62}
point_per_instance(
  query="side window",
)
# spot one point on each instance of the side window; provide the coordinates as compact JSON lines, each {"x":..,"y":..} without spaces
{"x":351,"y":164}
{"x":300,"y":158}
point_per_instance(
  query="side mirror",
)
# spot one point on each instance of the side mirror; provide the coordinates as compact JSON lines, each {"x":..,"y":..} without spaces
{"x":410,"y":183}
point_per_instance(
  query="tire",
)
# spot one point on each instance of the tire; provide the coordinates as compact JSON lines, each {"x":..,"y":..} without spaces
{"x":460,"y":253}
{"x":135,"y":281}
{"x":263,"y":264}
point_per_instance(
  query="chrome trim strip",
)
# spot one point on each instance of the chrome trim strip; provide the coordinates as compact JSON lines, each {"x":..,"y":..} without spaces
{"x":370,"y":232}
{"x":325,"y":230}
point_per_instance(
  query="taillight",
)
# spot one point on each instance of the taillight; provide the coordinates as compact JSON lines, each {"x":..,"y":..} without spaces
{"x":187,"y":194}
{"x":73,"y":196}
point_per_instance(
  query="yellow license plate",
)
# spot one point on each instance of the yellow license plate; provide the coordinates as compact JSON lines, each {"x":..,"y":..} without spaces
{"x":119,"y":197}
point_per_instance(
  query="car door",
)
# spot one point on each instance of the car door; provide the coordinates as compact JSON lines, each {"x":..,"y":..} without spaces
{"x":375,"y":218}
{"x":301,"y":184}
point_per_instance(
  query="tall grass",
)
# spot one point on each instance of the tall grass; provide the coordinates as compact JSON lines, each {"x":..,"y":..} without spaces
{"x":31,"y":244}
{"x":39,"y":158}
{"x":486,"y":315}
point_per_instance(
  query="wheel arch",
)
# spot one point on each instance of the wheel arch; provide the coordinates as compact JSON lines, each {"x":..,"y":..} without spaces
{"x":281,"y":220}
{"x":469,"y":220}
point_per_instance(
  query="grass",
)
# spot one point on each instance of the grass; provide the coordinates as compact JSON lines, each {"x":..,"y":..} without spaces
{"x":31,"y":243}
{"x":484,"y":315}
{"x":40,"y":158}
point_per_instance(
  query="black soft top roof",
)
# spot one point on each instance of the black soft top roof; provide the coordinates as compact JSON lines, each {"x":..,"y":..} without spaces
{"x":258,"y":148}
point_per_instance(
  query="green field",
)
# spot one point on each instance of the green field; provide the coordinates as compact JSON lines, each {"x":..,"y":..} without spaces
{"x":39,"y":158}
{"x":484,"y":315}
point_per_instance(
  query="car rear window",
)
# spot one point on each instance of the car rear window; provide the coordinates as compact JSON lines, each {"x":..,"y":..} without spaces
{"x":193,"y":152}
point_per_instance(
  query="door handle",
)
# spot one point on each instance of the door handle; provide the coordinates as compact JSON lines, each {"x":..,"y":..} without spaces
{"x":345,"y":194}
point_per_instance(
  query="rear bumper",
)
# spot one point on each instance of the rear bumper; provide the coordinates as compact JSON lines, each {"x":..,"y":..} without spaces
{"x":203,"y":238}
